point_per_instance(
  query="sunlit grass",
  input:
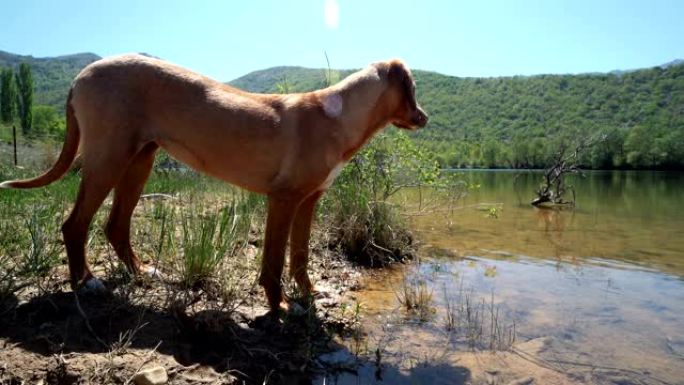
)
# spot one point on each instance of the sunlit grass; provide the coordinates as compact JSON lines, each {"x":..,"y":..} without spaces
{"x":479,"y":323}
{"x":416,"y":298}
{"x":211,"y":234}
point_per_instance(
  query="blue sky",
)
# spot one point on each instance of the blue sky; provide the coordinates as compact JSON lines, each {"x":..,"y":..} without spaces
{"x":226,"y":39}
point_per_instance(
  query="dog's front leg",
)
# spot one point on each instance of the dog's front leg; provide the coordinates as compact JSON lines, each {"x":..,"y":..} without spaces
{"x":299,"y":242}
{"x":278,"y":223}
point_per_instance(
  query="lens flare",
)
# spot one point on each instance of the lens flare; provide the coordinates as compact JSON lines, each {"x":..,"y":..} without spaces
{"x":331,"y":14}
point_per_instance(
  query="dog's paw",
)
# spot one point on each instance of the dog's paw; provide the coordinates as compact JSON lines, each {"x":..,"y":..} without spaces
{"x":151,"y":272}
{"x":267,"y":321}
{"x":93,"y":286}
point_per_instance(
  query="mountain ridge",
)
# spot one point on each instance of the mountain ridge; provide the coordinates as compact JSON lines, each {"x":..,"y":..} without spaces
{"x":511,"y":121}
{"x":516,"y":121}
{"x":52,"y":75}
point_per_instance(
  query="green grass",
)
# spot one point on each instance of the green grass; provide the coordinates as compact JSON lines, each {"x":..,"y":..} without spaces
{"x":203,"y":220}
{"x":478,"y":322}
{"x":416,"y":298}
{"x":30,"y":240}
{"x":212,"y":234}
{"x":195,"y":225}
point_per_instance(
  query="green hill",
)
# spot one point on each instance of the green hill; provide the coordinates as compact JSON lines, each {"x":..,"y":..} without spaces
{"x":517,"y":121}
{"x":52,"y":75}
{"x":297,"y":79}
{"x":492,"y":122}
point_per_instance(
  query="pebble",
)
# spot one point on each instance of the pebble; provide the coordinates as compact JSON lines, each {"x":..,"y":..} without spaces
{"x":296,"y":309}
{"x":155,"y":375}
{"x":534,"y":346}
{"x":93,"y":286}
{"x":522,"y":381}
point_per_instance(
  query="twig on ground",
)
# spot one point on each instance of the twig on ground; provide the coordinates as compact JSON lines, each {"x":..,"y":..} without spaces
{"x":157,"y":196}
{"x":87,"y":322}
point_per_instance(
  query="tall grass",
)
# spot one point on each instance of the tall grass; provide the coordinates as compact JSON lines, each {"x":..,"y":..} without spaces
{"x":42,"y":226}
{"x":209,"y":235}
{"x":358,"y":210}
{"x":29,"y":245}
{"x":202,"y":220}
{"x":479,"y":323}
{"x":416,"y":298}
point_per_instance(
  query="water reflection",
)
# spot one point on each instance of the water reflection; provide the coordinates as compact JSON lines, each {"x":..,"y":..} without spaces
{"x":603,"y":282}
{"x":635,"y":217}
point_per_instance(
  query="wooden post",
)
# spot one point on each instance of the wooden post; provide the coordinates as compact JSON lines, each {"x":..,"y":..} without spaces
{"x":14,"y":138}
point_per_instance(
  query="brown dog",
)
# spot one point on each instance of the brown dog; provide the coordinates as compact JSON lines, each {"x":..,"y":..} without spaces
{"x":289,"y":147}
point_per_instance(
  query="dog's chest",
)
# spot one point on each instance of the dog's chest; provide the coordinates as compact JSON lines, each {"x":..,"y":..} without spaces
{"x":332,"y":175}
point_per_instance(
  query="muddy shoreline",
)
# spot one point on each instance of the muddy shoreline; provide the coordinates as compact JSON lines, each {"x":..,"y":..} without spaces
{"x":50,"y":335}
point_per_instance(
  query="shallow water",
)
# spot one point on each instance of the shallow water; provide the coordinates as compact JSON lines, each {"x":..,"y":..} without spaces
{"x":604,"y":281}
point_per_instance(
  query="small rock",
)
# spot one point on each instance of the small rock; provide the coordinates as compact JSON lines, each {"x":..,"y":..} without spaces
{"x":522,"y":381}
{"x":534,"y":346}
{"x":155,"y":375}
{"x":493,"y":371}
{"x":93,"y":286}
{"x":296,"y":309}
{"x":206,"y":375}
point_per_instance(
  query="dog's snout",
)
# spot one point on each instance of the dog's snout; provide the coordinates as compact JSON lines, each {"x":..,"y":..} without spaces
{"x":420,"y":118}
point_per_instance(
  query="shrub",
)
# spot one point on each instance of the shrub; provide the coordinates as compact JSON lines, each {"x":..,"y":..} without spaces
{"x":361,"y":217}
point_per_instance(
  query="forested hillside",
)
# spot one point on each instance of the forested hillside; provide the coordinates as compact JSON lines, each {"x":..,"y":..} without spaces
{"x":518,"y":121}
{"x":295,"y":79}
{"x":492,"y":122}
{"x":52,"y":75}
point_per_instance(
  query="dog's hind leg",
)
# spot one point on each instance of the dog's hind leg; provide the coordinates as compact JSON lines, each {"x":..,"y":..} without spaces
{"x":299,"y":242}
{"x":126,"y":195}
{"x":101,"y":171}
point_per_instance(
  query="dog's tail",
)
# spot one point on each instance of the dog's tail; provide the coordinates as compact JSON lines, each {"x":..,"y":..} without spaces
{"x":66,"y":157}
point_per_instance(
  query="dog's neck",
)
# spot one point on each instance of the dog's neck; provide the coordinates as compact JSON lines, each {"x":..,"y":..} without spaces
{"x":357,"y":104}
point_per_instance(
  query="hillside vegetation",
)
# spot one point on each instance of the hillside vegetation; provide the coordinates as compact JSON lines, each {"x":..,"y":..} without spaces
{"x":52,"y":75}
{"x":518,"y":121}
{"x":493,"y":122}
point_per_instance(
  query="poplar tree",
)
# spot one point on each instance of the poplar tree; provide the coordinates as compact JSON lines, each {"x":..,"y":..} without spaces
{"x":25,"y":99}
{"x":8,"y":96}
{"x":8,"y":100}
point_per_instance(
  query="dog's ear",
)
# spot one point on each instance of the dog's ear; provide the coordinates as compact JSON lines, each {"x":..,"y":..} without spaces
{"x":397,"y":72}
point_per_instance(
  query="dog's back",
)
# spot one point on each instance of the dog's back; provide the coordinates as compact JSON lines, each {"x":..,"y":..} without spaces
{"x":184,"y":112}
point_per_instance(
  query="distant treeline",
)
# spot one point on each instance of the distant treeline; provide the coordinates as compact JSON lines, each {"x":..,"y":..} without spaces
{"x":518,"y":121}
{"x":506,"y":122}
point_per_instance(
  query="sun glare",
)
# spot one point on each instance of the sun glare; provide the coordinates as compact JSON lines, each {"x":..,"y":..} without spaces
{"x":331,"y":14}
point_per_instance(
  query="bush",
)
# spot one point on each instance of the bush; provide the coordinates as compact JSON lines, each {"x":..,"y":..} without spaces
{"x":47,"y":121}
{"x":361,"y":218}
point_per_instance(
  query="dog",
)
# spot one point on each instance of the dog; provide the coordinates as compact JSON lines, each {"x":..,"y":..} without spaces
{"x":290,"y":147}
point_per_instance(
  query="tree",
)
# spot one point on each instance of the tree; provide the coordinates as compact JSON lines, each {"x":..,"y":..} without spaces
{"x":640,"y":147}
{"x":25,"y":100}
{"x":8,"y":99}
{"x":46,"y":120}
{"x":490,"y":153}
{"x":8,"y":96}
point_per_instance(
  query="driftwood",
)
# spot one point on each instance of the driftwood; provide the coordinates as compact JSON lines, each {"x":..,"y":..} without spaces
{"x":565,"y":161}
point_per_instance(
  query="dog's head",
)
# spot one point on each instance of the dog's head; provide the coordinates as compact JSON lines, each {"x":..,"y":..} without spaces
{"x":405,"y":111}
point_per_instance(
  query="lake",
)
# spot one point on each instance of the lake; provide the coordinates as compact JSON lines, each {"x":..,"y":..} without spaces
{"x":601,"y":284}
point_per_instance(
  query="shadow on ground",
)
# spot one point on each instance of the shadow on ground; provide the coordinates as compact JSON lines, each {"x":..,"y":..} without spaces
{"x":284,"y":351}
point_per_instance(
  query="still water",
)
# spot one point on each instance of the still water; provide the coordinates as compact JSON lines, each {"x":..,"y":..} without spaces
{"x":602,"y":283}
